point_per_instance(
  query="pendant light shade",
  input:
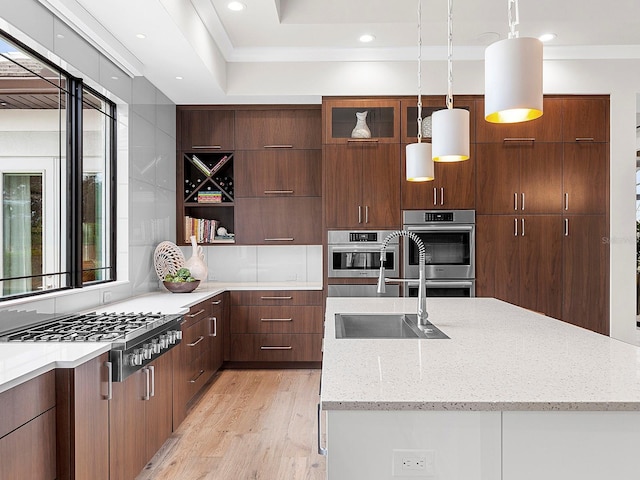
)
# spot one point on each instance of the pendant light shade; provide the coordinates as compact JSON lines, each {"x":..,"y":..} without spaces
{"x":450,"y":135}
{"x":419,"y":164}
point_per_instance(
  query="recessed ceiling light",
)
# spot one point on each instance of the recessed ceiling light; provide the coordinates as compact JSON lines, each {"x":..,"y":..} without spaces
{"x":546,"y":37}
{"x":141,"y":35}
{"x":59,"y":35}
{"x":114,"y":78}
{"x":366,"y":38}
{"x":178,"y":78}
{"x":236,"y":6}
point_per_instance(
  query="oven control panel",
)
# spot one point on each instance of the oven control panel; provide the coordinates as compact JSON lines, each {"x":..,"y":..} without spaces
{"x":363,"y":236}
{"x":438,"y":217}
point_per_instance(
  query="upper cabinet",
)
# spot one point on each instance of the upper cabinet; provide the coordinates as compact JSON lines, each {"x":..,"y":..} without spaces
{"x":350,"y":120}
{"x":586,"y":119}
{"x":278,"y":128}
{"x":409,"y":109}
{"x":205,"y":129}
{"x":547,"y":128}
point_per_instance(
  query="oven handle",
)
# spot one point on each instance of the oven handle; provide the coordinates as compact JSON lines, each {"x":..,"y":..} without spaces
{"x":440,"y":228}
{"x":363,"y":249}
{"x":443,"y":283}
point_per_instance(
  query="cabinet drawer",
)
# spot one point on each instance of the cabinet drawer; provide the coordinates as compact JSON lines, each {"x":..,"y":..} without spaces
{"x":279,"y":128}
{"x":285,"y":319}
{"x":279,"y":221}
{"x":196,"y":313}
{"x":195,"y":340}
{"x":30,"y":451}
{"x":292,"y":173}
{"x":26,"y":401}
{"x":277,"y":297}
{"x":303,"y":347}
{"x":197,"y":375}
{"x":205,"y":129}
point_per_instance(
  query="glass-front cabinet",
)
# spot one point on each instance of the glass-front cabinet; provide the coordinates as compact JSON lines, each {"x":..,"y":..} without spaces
{"x":349,"y":120}
{"x":430,"y":104}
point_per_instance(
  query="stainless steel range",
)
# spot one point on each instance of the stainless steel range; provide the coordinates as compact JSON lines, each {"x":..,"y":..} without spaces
{"x":136,"y":338}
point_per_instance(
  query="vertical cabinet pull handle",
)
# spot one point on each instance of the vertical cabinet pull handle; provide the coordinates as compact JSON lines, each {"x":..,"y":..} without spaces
{"x":515,"y":201}
{"x":515,"y":226}
{"x":147,"y":380}
{"x":522,"y":201}
{"x":366,"y":214}
{"x":522,"y":233}
{"x":321,"y":450}
{"x":441,"y":195}
{"x":566,"y":201}
{"x":215,"y":327}
{"x":435,"y":196}
{"x":153,"y":380}
{"x":566,"y":227}
{"x":109,"y":395}
{"x":359,"y":213}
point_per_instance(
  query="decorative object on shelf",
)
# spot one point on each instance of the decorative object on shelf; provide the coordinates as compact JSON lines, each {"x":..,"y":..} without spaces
{"x":222,"y":231}
{"x":450,"y":138}
{"x":361,"y":130}
{"x":181,"y":287}
{"x":513,"y":76}
{"x":167,"y":259}
{"x":419,"y":166}
{"x":196,"y":263}
{"x":426,"y":127}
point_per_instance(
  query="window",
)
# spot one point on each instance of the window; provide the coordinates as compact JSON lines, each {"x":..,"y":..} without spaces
{"x":57,"y":168}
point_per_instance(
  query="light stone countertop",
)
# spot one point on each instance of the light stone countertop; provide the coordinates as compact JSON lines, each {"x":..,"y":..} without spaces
{"x":20,"y":362}
{"x":499,"y":357}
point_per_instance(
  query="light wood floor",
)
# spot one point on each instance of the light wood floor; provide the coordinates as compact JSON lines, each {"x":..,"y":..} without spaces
{"x":249,"y":424}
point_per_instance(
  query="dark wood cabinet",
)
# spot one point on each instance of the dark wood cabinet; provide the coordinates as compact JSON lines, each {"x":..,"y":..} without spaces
{"x":431,"y":104}
{"x":280,"y":221}
{"x":278,"y":172}
{"x":520,"y":261}
{"x":278,"y":127}
{"x":276,"y":326}
{"x":454,"y":187}
{"x":586,"y":119}
{"x":204,"y":129}
{"x":28,"y":430}
{"x":547,"y":128}
{"x":519,"y":176}
{"x":586,"y":178}
{"x":586,"y":272}
{"x":382,"y":119}
{"x":217,"y":324}
{"x":362,"y":185}
{"x":82,"y":410}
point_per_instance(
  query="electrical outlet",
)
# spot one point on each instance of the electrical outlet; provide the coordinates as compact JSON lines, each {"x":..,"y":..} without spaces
{"x":106,"y":297}
{"x":414,"y":463}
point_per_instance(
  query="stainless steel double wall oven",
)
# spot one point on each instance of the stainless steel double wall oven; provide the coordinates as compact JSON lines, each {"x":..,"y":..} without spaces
{"x":449,"y":239}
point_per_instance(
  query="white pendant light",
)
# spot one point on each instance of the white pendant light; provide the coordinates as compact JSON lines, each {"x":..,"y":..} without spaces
{"x":450,"y":127}
{"x":513,"y":76}
{"x":419,"y":163}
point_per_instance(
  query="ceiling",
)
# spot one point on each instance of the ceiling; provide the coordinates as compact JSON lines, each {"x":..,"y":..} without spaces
{"x":199,"y":40}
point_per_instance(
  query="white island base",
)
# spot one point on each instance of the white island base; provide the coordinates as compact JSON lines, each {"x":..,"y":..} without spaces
{"x":513,"y":395}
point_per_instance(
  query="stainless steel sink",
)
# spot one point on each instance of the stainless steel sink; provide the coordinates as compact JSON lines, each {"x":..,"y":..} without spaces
{"x":384,"y":326}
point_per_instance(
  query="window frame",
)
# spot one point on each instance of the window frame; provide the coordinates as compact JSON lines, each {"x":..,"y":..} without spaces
{"x":72,"y":208}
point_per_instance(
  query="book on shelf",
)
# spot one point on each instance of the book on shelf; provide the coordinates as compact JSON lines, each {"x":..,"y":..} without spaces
{"x":212,"y":196}
{"x":220,"y":164}
{"x":228,"y":238}
{"x":201,"y":166}
{"x":204,"y":229}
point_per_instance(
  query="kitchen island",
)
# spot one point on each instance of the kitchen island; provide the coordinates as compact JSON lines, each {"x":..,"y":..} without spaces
{"x":512,"y":395}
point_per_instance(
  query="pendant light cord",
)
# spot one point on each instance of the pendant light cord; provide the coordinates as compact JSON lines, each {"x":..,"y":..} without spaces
{"x":514,"y":18}
{"x":450,"y":55}
{"x":419,"y":71}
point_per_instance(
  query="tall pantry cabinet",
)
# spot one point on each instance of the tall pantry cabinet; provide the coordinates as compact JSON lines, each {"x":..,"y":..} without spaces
{"x":542,"y":202}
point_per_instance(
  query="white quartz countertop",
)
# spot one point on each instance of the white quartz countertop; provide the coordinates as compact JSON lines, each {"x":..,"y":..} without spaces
{"x":499,"y":357}
{"x":20,"y":362}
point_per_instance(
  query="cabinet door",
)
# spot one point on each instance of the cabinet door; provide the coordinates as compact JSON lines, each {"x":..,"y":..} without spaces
{"x":586,"y":119}
{"x":279,"y":128}
{"x":540,"y":252}
{"x":381,"y":186}
{"x":206,"y":129}
{"x":586,"y":272}
{"x":343,"y":186}
{"x":498,"y":182}
{"x":497,"y":260}
{"x":586,"y":177}
{"x":540,"y":178}
{"x":455,"y":184}
{"x":547,"y":128}
{"x":382,"y":119}
{"x":430,"y":104}
{"x":158,"y":409}
{"x":219,"y":307}
{"x":279,"y":221}
{"x":271,"y":173}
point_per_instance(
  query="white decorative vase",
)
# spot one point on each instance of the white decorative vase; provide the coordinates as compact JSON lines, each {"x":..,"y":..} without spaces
{"x":196,"y":264}
{"x":361,"y":130}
